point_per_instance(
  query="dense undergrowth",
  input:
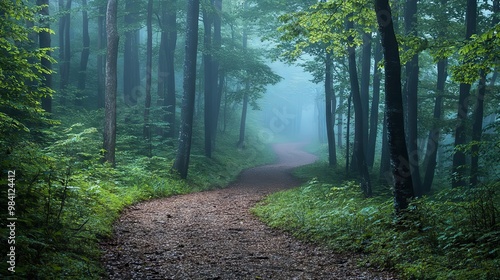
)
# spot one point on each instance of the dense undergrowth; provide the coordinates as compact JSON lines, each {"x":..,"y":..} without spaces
{"x":66,"y":199}
{"x":450,"y":234}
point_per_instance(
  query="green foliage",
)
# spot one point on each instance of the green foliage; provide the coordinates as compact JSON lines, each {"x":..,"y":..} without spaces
{"x":67,"y":201}
{"x":322,"y":26}
{"x":478,"y":55}
{"x":452,"y":234}
{"x":20,"y":74}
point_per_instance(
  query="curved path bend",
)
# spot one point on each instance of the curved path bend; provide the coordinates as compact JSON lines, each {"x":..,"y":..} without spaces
{"x":212,"y":235}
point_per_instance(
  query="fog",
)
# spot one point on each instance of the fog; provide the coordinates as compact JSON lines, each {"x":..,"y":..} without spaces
{"x":288,"y":110}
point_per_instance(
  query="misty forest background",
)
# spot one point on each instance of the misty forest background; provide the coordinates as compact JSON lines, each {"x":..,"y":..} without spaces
{"x":108,"y":103}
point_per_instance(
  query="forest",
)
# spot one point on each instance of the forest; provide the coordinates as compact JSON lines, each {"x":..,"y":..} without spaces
{"x":250,"y":139}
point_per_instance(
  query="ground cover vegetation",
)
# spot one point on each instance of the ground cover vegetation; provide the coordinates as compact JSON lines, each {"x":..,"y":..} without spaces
{"x":430,"y":212}
{"x":67,"y":194}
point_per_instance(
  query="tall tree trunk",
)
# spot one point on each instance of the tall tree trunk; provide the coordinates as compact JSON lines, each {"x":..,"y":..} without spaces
{"x":365,"y":85}
{"x":85,"y":50}
{"x":402,"y":182}
{"x":64,"y":44}
{"x":412,"y":72}
{"x":209,"y":78}
{"x":181,"y":163}
{"x":477,"y":130}
{"x":359,"y":146}
{"x":170,"y":97}
{"x":111,"y":82}
{"x":101,"y":45}
{"x":330,"y":110}
{"x":166,"y":68}
{"x":385,"y":175}
{"x":458,"y":168}
{"x":149,"y":69}
{"x":348,"y":135}
{"x":131,"y":75}
{"x":340,"y":120}
{"x":241,"y":141}
{"x":372,"y":138}
{"x":45,"y":42}
{"x":435,"y":133}
{"x":477,"y":126}
{"x":219,"y":76}
{"x":432,"y":148}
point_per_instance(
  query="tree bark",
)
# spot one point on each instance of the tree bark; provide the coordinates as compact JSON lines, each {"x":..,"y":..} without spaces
{"x":412,"y":73}
{"x":372,"y":138}
{"x":218,"y":75}
{"x":459,"y":168}
{"x":365,"y":86}
{"x":209,"y":79}
{"x":64,"y":44}
{"x":85,"y":51}
{"x":131,"y":75}
{"x":101,"y":45}
{"x":435,"y":133}
{"x":111,"y":82}
{"x":348,"y":135}
{"x":149,"y":69}
{"x":181,"y":163}
{"x":45,"y":42}
{"x":359,"y":146}
{"x":402,"y":182}
{"x":477,"y":130}
{"x":170,"y":97}
{"x":330,"y":110}
{"x":241,"y":141}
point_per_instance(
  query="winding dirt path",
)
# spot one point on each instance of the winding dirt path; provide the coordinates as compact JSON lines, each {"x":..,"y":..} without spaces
{"x":212,"y":235}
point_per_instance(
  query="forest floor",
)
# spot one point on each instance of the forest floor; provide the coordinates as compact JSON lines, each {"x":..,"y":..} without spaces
{"x":213,"y":235}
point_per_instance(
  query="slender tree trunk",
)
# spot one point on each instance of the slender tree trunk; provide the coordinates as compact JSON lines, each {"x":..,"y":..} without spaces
{"x":170,"y":97}
{"x":45,"y":42}
{"x":181,"y":163}
{"x":412,"y":73}
{"x":329,"y":110}
{"x":111,"y":82}
{"x":208,"y":80}
{"x":359,"y":146}
{"x":101,"y":45}
{"x":149,"y":70}
{"x":435,"y":133}
{"x":458,"y":168}
{"x":64,"y":44}
{"x":365,"y":86}
{"x":385,"y":174}
{"x":241,"y":141}
{"x":340,"y":120}
{"x":477,"y":126}
{"x":477,"y":130}
{"x":131,"y":75}
{"x":85,"y":51}
{"x":403,"y":188}
{"x":372,"y":138}
{"x":219,"y":76}
{"x":348,"y":135}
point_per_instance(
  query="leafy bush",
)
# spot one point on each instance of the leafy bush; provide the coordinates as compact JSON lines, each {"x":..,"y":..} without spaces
{"x":67,"y":201}
{"x":452,"y":234}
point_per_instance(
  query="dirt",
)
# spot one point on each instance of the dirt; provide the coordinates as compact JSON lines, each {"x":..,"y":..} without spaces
{"x":213,"y":235}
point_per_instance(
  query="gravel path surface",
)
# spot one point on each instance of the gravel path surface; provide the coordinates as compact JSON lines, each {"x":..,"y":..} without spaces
{"x":212,"y":235}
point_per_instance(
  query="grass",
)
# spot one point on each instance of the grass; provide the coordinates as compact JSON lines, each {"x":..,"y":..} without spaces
{"x":452,"y":234}
{"x":67,"y":200}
